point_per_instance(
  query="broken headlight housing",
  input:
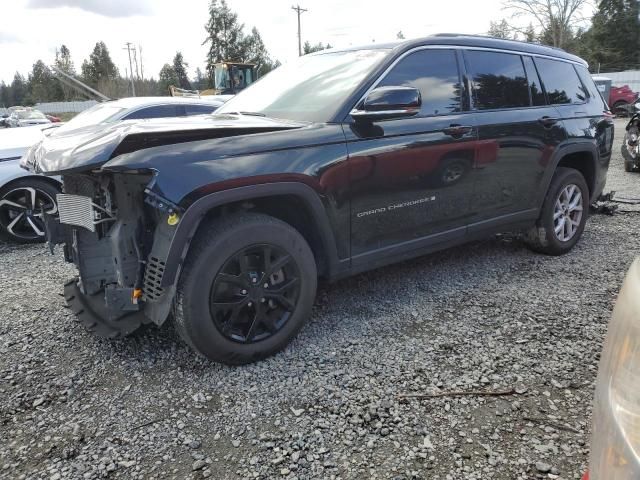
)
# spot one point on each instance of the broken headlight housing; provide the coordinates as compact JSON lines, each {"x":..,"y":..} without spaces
{"x":615,"y":449}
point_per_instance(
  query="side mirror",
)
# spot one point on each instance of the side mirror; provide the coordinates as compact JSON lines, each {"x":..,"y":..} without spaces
{"x":386,"y":103}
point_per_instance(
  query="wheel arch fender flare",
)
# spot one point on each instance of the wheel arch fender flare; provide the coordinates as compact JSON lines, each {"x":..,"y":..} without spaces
{"x":193,"y":216}
{"x":576,"y":146}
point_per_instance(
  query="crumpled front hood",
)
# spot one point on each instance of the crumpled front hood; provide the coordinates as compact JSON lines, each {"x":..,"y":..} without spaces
{"x":90,"y":147}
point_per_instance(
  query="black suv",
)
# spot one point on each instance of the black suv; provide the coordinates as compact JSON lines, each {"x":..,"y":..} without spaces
{"x":339,"y":162}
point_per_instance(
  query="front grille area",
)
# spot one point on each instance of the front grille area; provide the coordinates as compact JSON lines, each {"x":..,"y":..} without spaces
{"x":76,"y":210}
{"x":152,"y":278}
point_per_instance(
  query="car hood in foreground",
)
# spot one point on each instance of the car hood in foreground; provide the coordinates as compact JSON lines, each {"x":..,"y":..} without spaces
{"x":90,"y":147}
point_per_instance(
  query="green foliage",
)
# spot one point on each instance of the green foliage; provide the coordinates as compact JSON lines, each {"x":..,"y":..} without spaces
{"x":613,"y":41}
{"x":166,"y":78}
{"x":43,"y":87}
{"x":99,"y":69}
{"x":501,"y":29}
{"x":228,"y":42}
{"x":180,"y":70}
{"x":307,"y":48}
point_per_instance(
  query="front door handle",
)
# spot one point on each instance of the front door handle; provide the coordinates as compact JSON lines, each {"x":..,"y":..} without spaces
{"x":548,"y":122}
{"x":457,"y":130}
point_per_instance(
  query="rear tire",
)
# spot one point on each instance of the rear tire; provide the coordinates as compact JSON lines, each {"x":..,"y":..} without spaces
{"x":628,"y":166}
{"x":560,"y":225}
{"x":246,"y":289}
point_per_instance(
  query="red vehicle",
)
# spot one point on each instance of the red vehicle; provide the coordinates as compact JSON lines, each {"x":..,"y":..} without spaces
{"x":620,"y":98}
{"x":53,"y":119}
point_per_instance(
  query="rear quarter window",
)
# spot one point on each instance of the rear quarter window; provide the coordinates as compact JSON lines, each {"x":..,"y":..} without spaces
{"x":561,"y":82}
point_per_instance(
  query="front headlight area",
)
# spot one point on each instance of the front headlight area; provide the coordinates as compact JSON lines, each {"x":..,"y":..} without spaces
{"x":615,"y":447}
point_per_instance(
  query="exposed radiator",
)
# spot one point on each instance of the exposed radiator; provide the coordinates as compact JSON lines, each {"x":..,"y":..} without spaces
{"x":76,"y":210}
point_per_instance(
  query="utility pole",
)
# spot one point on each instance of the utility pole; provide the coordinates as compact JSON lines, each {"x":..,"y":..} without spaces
{"x":299,"y":11}
{"x":141,"y":64}
{"x":133,"y":87}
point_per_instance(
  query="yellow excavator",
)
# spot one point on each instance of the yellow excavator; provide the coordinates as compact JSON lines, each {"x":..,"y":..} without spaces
{"x":229,"y":78}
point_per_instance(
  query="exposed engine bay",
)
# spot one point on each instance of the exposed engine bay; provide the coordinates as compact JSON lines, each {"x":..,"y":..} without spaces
{"x":107,"y":224}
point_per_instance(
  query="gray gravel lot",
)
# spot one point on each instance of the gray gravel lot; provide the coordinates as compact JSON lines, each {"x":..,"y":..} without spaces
{"x":490,"y":316}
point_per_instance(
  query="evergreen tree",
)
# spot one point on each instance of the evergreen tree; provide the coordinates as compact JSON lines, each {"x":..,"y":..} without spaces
{"x":308,"y":48}
{"x":500,"y":29}
{"x":180,"y":70}
{"x":99,"y":69}
{"x":614,"y":38}
{"x":167,"y":77}
{"x":224,"y":34}
{"x":228,"y":42}
{"x":400,"y":35}
{"x":530,"y":34}
{"x":43,"y":87}
{"x":19,"y":89}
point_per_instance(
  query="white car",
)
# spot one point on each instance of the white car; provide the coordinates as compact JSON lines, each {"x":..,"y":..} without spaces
{"x":27,"y":117}
{"x":23,"y":195}
{"x":140,"y":108}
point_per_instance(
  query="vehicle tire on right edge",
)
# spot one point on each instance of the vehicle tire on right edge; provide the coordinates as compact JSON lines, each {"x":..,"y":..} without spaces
{"x":246,"y":289}
{"x":567,"y":200}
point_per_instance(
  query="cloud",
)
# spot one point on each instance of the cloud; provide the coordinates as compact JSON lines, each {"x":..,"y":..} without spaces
{"x":112,"y":8}
{"x":8,"y":38}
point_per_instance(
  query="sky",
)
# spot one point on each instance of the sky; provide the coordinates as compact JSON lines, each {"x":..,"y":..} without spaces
{"x":33,"y":29}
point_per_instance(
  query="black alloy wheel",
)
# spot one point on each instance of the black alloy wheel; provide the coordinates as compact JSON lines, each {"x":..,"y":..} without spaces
{"x":255,"y":293}
{"x":246,"y":288}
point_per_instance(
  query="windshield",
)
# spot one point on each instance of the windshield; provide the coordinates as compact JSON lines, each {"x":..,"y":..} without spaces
{"x":97,"y":114}
{"x":310,"y":89}
{"x":30,"y":115}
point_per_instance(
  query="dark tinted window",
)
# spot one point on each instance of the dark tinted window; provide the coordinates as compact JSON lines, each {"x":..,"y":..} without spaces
{"x":588,"y":82}
{"x":499,"y":80}
{"x":535,"y":87}
{"x":561,"y":82}
{"x":435,"y":74}
{"x":199,"y":109}
{"x":159,"y":111}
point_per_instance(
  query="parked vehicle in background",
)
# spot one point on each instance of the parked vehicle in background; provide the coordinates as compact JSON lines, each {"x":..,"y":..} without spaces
{"x":340,"y":162}
{"x":24,"y":196}
{"x":54,"y":119}
{"x":621,"y":99}
{"x":615,"y":439}
{"x":631,"y":144}
{"x":27,"y":117}
{"x":140,"y":108}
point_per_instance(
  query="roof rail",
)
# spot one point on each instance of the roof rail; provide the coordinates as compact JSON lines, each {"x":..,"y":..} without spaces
{"x":494,"y":38}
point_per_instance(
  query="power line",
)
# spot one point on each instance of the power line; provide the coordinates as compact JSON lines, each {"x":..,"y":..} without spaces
{"x":299,"y":11}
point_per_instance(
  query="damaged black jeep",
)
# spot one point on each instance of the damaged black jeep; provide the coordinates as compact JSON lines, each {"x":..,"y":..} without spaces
{"x":337,"y":163}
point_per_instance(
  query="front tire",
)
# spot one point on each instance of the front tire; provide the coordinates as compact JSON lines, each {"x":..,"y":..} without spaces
{"x":563,"y":215}
{"x":246,"y":289}
{"x":22,"y":204}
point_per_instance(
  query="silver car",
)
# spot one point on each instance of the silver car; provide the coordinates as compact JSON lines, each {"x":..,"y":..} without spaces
{"x":26,"y":118}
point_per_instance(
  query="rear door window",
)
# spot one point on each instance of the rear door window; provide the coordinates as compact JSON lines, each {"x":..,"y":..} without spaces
{"x":499,"y":80}
{"x":158,"y":111}
{"x":435,"y":74}
{"x":561,"y":82}
{"x":199,"y":109}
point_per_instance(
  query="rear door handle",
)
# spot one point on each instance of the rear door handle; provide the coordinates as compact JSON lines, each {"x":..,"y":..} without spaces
{"x":548,"y":121}
{"x":457,"y":130}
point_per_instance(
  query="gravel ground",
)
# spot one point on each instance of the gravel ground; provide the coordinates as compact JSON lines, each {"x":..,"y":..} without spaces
{"x":490,"y":316}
